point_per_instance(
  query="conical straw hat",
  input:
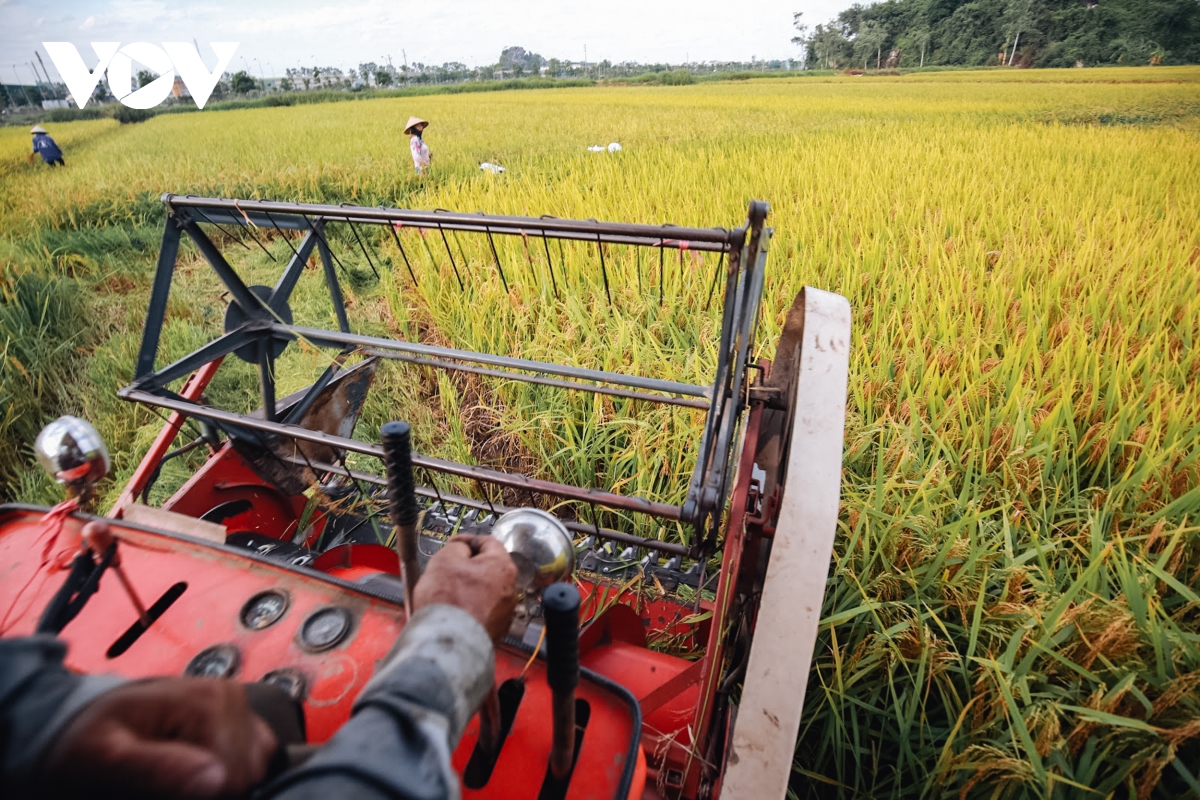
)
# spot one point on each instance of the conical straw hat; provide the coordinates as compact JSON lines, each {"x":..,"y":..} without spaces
{"x":37,"y":129}
{"x":414,"y":121}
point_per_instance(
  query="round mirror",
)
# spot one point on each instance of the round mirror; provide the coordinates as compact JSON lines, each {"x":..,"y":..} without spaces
{"x":73,"y":453}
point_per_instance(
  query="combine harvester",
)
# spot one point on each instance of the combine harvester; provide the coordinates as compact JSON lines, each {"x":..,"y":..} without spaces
{"x":278,"y":562}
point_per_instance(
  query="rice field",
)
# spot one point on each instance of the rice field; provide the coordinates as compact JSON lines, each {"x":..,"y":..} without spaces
{"x":1013,"y":605}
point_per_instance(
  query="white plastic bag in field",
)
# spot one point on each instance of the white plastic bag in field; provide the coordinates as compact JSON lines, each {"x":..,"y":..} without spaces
{"x":614,"y":147}
{"x":596,"y":148}
{"x":495,"y":169}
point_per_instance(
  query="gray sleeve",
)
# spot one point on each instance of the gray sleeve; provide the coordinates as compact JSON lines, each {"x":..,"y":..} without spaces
{"x":38,"y":697}
{"x":408,"y":719}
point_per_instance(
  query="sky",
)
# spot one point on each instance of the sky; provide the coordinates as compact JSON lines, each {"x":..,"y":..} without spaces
{"x":277,"y":34}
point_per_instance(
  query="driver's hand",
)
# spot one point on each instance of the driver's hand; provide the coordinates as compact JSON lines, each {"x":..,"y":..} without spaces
{"x":168,"y":737}
{"x":476,"y":574}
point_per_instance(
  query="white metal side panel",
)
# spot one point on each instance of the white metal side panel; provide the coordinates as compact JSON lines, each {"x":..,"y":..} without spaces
{"x":768,"y":720}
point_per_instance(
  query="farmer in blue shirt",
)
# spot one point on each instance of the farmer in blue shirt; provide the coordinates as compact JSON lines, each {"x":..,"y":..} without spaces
{"x":44,"y":146}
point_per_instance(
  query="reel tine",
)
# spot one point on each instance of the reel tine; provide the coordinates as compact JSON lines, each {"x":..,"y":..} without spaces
{"x":433,"y":485}
{"x":253,"y":235}
{"x":661,"y":256}
{"x":324,"y":241}
{"x":445,"y":243}
{"x":487,"y":495}
{"x":362,"y":247}
{"x":462,"y":253}
{"x":638,"y":267}
{"x":604,"y":271}
{"x":529,"y":257}
{"x":210,"y":221}
{"x":716,"y":276}
{"x":404,"y":255}
{"x":496,"y":257}
{"x":550,"y":264}
{"x":282,"y":235}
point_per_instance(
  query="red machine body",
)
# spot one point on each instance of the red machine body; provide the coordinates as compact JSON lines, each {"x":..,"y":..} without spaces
{"x":250,"y":571}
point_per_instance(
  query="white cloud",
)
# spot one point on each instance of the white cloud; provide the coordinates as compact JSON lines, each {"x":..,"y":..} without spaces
{"x":88,"y":24}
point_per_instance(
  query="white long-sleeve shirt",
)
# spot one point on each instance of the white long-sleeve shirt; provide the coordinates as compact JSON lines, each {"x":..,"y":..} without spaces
{"x":420,"y":153}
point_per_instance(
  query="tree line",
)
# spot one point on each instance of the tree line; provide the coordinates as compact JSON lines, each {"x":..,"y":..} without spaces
{"x":1027,"y":33}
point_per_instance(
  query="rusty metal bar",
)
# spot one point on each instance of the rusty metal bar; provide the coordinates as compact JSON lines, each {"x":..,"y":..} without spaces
{"x":664,"y":235}
{"x":319,"y":336}
{"x":492,"y":507}
{"x":583,"y":387}
{"x":486,"y":474}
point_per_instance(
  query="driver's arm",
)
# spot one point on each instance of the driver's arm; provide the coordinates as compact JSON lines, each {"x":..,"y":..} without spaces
{"x":409,"y":718}
{"x":38,"y":697}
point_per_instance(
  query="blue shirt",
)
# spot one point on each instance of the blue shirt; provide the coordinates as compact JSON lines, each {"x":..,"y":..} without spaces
{"x":45,"y":146}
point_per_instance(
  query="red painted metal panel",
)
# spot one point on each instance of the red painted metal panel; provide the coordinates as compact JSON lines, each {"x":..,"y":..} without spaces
{"x":208,"y":613}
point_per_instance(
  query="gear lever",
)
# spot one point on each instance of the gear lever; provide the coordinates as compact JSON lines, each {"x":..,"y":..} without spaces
{"x":402,"y":503}
{"x":402,"y":506}
{"x":560,"y":607}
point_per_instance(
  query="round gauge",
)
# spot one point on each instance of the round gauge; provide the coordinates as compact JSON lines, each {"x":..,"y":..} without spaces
{"x":219,"y":661}
{"x":325,"y":628}
{"x":264,"y":610}
{"x":290,"y":680}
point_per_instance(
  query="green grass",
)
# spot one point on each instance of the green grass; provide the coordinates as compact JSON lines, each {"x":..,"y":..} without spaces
{"x":1012,"y":610}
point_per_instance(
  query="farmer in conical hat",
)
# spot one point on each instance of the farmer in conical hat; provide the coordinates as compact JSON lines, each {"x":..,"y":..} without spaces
{"x":420,"y":151}
{"x":44,"y":146}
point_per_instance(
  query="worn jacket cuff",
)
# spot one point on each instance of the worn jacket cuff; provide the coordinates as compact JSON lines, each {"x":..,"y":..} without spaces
{"x":445,"y":640}
{"x":38,"y":698}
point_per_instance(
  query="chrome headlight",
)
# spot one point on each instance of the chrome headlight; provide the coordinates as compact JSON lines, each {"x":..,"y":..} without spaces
{"x":73,"y":453}
{"x":540,"y":546}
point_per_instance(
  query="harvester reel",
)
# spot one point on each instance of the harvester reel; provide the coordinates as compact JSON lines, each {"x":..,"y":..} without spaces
{"x":237,"y":318}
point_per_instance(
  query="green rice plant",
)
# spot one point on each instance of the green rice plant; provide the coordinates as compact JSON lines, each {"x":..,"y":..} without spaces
{"x":1013,"y":601}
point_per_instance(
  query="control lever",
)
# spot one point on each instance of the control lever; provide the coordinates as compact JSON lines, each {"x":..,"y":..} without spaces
{"x":99,"y":539}
{"x":560,"y":608}
{"x":402,"y":503}
{"x":402,"y":506}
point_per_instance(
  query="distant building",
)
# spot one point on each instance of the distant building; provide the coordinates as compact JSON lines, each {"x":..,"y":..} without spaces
{"x":179,"y":88}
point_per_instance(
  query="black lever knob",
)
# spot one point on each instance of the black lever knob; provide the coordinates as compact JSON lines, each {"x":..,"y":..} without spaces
{"x":397,"y":459}
{"x":560,"y":609}
{"x":402,"y":502}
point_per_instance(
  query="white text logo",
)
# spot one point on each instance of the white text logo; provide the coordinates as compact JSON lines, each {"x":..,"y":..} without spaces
{"x":118,"y":61}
